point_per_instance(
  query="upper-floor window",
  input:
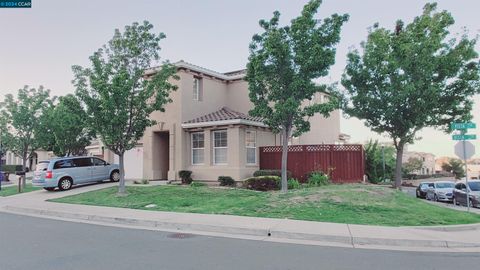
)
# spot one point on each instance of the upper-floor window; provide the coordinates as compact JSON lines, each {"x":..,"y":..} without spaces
{"x":251,"y":145}
{"x":220,"y":146}
{"x":198,"y":147}
{"x":197,"y":88}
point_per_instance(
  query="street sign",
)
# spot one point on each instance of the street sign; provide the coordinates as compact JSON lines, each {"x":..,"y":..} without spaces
{"x":460,"y":137}
{"x":463,"y":125}
{"x":469,"y":150}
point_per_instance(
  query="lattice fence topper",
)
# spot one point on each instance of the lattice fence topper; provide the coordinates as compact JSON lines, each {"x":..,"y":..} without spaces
{"x":347,"y":147}
{"x":271,"y":149}
{"x":319,"y":147}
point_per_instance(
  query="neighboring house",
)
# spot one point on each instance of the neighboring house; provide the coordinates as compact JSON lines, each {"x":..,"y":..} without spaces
{"x":207,"y":129}
{"x":428,"y":166}
{"x":11,"y":159}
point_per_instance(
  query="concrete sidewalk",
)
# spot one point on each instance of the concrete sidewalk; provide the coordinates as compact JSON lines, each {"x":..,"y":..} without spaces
{"x":462,"y":238}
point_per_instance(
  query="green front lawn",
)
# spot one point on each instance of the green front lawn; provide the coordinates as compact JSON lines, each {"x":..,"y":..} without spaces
{"x":354,"y":204}
{"x":13,"y":189}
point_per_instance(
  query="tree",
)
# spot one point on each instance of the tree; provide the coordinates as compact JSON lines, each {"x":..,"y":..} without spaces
{"x":282,"y":65}
{"x":412,"y":77}
{"x":21,"y":119}
{"x":374,"y":161}
{"x":412,"y":164}
{"x":118,"y":97}
{"x":454,"y":166}
{"x":65,"y":127}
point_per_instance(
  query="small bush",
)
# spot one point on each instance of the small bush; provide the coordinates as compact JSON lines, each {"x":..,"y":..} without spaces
{"x":317,"y":179}
{"x":271,"y":173}
{"x":262,"y":183}
{"x":186,"y":177}
{"x":197,"y":184}
{"x":141,"y":182}
{"x":293,"y":183}
{"x":226,"y":181}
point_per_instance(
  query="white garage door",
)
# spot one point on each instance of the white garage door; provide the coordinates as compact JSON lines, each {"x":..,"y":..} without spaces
{"x":133,"y":160}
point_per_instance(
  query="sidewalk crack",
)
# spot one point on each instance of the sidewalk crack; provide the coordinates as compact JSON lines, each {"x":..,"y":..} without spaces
{"x":351,"y":236}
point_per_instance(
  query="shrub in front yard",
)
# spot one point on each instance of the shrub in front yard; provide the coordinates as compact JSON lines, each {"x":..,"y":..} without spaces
{"x":317,"y":179}
{"x":141,"y":182}
{"x":293,"y":183}
{"x":197,"y":184}
{"x":186,"y":177}
{"x":226,"y":181}
{"x":271,"y":173}
{"x":262,"y":183}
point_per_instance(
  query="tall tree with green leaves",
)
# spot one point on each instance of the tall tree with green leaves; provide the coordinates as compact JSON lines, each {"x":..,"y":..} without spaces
{"x":282,"y":65}
{"x":66,"y":130}
{"x":20,"y":117}
{"x":118,"y":97}
{"x":412,"y":164}
{"x":412,"y":77}
{"x":454,"y":166}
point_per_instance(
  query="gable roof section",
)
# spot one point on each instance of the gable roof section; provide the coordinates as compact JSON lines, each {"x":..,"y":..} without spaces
{"x":224,"y":116}
{"x":228,"y":76}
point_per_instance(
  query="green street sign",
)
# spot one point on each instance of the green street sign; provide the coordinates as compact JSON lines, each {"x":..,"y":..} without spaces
{"x":461,"y":137}
{"x":463,"y":125}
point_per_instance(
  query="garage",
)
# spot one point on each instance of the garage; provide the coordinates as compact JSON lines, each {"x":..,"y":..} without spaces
{"x":133,"y":160}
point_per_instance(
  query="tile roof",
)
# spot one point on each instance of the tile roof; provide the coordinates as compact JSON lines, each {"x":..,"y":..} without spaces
{"x":224,"y":114}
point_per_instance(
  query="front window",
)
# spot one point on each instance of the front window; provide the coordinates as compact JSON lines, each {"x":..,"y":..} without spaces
{"x":220,"y":146}
{"x":197,"y":89}
{"x":251,"y":144}
{"x":98,"y":162}
{"x":198,"y":147}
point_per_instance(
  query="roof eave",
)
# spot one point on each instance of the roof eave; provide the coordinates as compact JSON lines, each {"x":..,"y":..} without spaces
{"x":224,"y":123}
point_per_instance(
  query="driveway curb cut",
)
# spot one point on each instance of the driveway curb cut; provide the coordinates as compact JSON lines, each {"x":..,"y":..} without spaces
{"x":239,"y":231}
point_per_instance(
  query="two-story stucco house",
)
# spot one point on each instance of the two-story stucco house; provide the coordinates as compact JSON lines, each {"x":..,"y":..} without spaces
{"x":207,"y":129}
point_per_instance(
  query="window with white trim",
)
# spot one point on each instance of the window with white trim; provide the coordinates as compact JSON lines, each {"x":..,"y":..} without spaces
{"x":220,"y":146}
{"x":198,"y":148}
{"x":251,"y":145}
{"x":197,"y":89}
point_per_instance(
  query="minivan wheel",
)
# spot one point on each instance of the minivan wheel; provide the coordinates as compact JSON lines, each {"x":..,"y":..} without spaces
{"x":65,"y":184}
{"x":49,"y":188}
{"x":115,"y":176}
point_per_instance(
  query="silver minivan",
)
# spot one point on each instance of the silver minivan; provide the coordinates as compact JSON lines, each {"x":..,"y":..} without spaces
{"x":68,"y":171}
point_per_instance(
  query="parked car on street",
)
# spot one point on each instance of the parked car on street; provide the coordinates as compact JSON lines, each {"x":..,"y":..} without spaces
{"x":421,"y":190}
{"x":460,"y":193}
{"x":68,"y":171}
{"x":441,"y":191}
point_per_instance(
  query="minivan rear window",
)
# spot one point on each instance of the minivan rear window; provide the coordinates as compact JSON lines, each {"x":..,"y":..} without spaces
{"x":62,"y":164}
{"x":42,"y":166}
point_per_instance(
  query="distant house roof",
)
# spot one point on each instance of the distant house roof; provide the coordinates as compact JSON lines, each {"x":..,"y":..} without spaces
{"x":228,"y":76}
{"x":224,"y":116}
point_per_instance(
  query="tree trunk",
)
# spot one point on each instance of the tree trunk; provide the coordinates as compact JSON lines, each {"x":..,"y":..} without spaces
{"x":121,"y":183}
{"x":398,"y":166}
{"x":24,"y":169}
{"x":284,"y":182}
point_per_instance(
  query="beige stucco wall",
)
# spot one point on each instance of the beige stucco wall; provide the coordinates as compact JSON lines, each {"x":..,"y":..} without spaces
{"x":216,"y":94}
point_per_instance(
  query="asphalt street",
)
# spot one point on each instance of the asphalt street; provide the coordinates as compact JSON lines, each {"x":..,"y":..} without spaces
{"x":36,"y":243}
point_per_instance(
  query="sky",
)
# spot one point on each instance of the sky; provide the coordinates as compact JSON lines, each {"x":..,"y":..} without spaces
{"x":38,"y":46}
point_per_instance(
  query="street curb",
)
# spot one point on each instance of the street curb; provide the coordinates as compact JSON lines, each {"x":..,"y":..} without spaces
{"x":248,"y":232}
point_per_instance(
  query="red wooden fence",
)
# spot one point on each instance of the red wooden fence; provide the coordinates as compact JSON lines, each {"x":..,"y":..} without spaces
{"x":346,"y":162}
